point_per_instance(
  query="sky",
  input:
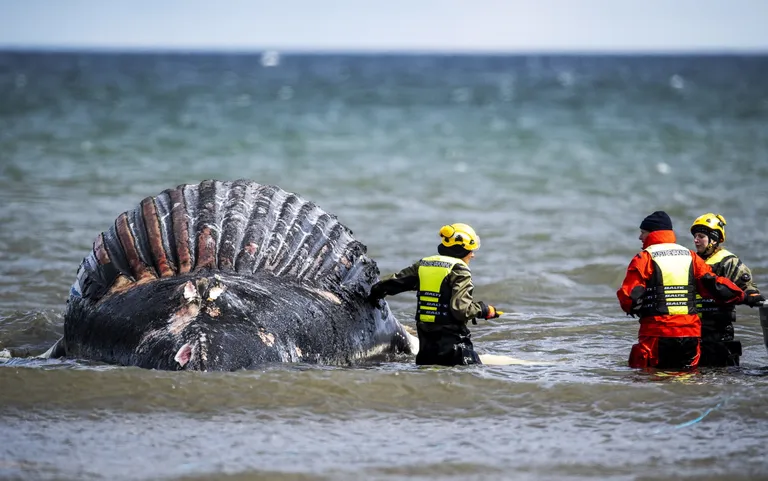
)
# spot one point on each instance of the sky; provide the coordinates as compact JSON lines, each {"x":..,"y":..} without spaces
{"x":388,"y":25}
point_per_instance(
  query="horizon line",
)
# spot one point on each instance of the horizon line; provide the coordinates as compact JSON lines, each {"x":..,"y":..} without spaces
{"x":702,"y":51}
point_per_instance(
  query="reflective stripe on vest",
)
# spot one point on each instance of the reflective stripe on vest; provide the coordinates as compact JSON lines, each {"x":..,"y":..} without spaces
{"x":670,"y":289}
{"x":708,"y":306}
{"x":433,"y":303}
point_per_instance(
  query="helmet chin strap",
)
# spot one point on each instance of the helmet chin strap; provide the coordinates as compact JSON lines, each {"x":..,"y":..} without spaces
{"x":710,"y":248}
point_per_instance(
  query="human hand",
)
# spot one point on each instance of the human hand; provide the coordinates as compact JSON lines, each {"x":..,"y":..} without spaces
{"x":753,"y":298}
{"x":375,"y":296}
{"x":373,"y":300}
{"x":634,"y":309}
{"x":488,"y":311}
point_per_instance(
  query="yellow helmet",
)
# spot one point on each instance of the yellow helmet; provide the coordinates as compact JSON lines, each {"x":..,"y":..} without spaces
{"x":710,"y":223}
{"x":461,"y":235}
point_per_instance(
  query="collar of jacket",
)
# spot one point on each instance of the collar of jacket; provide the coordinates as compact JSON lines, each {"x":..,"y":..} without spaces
{"x":660,"y":237}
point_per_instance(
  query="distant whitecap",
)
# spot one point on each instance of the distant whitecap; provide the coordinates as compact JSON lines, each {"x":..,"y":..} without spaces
{"x":662,"y":168}
{"x":270,"y":58}
{"x":676,"y":82}
{"x":460,"y":167}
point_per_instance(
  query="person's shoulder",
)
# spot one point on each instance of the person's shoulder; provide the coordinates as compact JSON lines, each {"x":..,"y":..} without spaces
{"x":730,"y":257}
{"x":461,"y":269}
{"x":414,"y":266}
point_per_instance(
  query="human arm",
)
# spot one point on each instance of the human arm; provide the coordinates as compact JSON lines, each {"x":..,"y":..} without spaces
{"x":463,"y":306}
{"x":404,"y":280}
{"x":738,"y":272}
{"x":633,"y":286}
{"x":713,"y":286}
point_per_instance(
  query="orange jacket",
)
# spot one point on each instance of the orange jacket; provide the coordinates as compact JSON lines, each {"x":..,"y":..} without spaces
{"x":708,"y":285}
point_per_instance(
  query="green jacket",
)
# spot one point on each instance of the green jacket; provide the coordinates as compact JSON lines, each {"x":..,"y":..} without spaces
{"x":717,"y":320}
{"x":738,"y":272}
{"x":462,"y":306}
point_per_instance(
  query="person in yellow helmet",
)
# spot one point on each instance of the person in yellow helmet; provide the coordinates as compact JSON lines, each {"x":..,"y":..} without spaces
{"x":718,"y":347}
{"x":444,"y":298}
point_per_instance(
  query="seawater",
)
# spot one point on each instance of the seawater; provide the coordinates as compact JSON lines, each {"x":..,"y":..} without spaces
{"x":554,"y":160}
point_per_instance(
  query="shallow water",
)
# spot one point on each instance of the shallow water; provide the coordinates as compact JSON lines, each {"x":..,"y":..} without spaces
{"x":554,"y":161}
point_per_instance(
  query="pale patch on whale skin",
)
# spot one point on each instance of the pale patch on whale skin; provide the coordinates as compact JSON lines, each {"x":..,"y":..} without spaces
{"x":121,"y":284}
{"x":412,"y":341}
{"x":190,"y":292}
{"x":188,"y":351}
{"x":182,"y":318}
{"x":184,"y":354}
{"x":327,"y":295}
{"x":150,"y":337}
{"x":176,"y":325}
{"x":215,"y":292}
{"x":203,"y":347}
{"x":411,"y":338}
{"x":267,"y":338}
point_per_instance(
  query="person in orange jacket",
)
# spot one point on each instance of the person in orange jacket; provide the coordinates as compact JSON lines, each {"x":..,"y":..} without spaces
{"x":660,"y":288}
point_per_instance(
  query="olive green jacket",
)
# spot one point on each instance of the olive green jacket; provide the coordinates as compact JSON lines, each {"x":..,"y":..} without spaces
{"x":463,"y":307}
{"x":736,"y":271}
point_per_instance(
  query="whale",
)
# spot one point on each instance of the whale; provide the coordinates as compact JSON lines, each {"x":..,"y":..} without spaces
{"x":223,"y":276}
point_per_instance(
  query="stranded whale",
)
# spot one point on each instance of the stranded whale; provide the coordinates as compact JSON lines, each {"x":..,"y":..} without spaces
{"x":225,"y":276}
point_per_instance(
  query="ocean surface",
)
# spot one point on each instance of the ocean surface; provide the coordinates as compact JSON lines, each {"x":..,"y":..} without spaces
{"x":554,"y":160}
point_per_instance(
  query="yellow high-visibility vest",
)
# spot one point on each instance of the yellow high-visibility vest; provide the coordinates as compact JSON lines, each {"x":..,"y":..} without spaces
{"x":433,"y":303}
{"x":671,"y":289}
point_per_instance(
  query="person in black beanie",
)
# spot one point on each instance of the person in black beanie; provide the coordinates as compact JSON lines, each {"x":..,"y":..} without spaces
{"x":659,"y":220}
{"x":660,"y":287}
{"x":444,"y":298}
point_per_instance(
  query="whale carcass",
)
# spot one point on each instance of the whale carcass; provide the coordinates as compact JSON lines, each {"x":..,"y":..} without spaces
{"x":226,"y":276}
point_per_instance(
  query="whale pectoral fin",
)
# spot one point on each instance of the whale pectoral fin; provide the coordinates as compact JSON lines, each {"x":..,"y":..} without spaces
{"x":405,"y":341}
{"x":501,"y":360}
{"x":55,"y":351}
{"x":413,"y":342}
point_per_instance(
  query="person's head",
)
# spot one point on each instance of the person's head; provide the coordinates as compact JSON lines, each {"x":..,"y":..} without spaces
{"x":708,"y":232}
{"x":458,"y":240}
{"x":659,"y":220}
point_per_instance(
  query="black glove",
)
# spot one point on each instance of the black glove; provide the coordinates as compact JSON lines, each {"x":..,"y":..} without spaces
{"x":637,"y":303}
{"x":376,"y":295}
{"x":487,"y":311}
{"x":753,"y":298}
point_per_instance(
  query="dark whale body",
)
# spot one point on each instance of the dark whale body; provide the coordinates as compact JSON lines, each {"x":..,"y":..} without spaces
{"x":226,"y":276}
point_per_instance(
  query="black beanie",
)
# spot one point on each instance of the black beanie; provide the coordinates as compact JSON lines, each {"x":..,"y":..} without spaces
{"x":456,"y":251}
{"x":659,"y":220}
